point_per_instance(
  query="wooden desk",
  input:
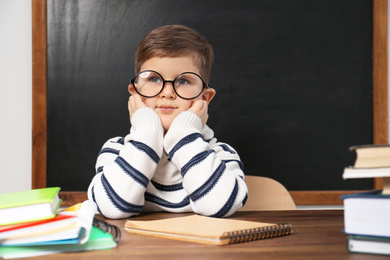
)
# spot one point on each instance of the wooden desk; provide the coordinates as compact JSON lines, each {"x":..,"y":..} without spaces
{"x":317,"y":235}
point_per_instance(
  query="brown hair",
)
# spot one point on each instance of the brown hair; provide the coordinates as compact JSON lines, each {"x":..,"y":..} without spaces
{"x":176,"y":41}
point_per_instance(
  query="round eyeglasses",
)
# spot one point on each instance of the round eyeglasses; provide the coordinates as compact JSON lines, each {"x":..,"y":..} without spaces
{"x":149,"y":83}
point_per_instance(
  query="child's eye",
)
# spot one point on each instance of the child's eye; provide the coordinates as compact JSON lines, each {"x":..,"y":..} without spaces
{"x":154,"y":79}
{"x":182,"y":81}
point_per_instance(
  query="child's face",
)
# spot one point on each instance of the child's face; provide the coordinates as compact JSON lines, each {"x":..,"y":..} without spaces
{"x":167,"y":104}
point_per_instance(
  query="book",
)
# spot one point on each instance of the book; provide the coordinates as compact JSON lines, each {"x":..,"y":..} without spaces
{"x":70,"y":226}
{"x":113,"y":230}
{"x":35,"y":231}
{"x":371,"y":155}
{"x":30,"y":205}
{"x":207,"y":230}
{"x":357,"y":173}
{"x":372,"y":161}
{"x":367,"y":213}
{"x":7,"y":228}
{"x":368,"y":245}
{"x":98,"y":240}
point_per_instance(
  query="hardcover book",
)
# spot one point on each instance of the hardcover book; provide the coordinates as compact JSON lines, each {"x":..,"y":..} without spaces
{"x":30,"y":205}
{"x":372,"y":155}
{"x":372,"y":161}
{"x":368,"y":245}
{"x":367,"y":213}
{"x":357,"y":173}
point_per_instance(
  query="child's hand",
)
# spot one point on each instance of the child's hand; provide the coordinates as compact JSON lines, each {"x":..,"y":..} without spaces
{"x":135,"y":102}
{"x":200,"y":108}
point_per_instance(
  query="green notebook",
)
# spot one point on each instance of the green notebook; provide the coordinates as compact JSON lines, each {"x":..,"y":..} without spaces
{"x":98,"y":240}
{"x":29,"y":205}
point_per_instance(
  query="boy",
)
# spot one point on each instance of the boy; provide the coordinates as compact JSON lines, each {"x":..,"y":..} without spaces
{"x":170,"y":160}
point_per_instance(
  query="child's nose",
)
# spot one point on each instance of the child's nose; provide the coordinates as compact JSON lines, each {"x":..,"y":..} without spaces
{"x":168,"y":91}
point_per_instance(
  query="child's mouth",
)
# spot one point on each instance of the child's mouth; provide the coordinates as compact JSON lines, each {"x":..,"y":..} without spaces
{"x":166,"y":109}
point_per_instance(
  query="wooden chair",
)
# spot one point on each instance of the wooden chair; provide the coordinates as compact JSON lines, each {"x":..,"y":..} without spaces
{"x":267,"y":194}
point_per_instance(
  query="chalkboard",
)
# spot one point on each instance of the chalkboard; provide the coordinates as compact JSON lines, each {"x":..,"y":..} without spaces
{"x":293,"y":81}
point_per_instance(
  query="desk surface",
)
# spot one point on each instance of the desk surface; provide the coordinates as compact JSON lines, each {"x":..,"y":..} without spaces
{"x":317,"y":235}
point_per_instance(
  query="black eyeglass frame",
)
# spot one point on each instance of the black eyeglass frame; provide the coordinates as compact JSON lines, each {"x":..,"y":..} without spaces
{"x":205,"y":85}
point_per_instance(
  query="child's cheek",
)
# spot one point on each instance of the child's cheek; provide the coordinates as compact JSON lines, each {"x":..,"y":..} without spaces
{"x":147,"y":102}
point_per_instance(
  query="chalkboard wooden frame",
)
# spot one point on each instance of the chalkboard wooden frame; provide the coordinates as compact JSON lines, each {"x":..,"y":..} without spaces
{"x":39,"y":115}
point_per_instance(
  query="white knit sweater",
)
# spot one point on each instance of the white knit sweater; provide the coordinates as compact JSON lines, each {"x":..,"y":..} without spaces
{"x":186,"y":170}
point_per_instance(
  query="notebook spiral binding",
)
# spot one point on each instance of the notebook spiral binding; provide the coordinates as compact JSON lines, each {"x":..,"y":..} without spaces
{"x":106,"y":227}
{"x":259,"y":233}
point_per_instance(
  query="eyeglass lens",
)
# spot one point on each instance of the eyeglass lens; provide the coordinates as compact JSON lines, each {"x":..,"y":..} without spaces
{"x":186,"y":85}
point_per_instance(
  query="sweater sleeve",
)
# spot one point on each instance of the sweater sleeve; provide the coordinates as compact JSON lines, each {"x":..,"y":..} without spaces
{"x":125,"y":166}
{"x":212,"y":172}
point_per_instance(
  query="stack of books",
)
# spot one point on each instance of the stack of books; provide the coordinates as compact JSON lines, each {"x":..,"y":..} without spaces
{"x":31,"y":224}
{"x":367,"y":214}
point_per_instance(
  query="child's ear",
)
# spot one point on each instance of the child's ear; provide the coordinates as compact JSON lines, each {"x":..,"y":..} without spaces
{"x":131,"y":89}
{"x":208,"y":94}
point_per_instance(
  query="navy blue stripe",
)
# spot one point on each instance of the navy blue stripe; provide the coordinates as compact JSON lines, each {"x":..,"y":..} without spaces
{"x":186,"y":140}
{"x":109,"y":150}
{"x":245,"y":199}
{"x":121,"y":140}
{"x":173,"y":187}
{"x":227,"y":149}
{"x":146,"y":149}
{"x":132,"y":172}
{"x":164,"y":203}
{"x":240,"y":164}
{"x":117,"y":201}
{"x":99,"y":169}
{"x":209,"y":184}
{"x":94,"y":200}
{"x":195,"y":160}
{"x":229,"y":203}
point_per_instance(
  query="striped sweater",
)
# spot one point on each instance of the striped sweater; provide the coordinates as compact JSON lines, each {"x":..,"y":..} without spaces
{"x":186,"y":170}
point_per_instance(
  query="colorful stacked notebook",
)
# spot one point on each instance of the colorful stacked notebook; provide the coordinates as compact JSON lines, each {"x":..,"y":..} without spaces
{"x":51,"y":231}
{"x":98,"y":240}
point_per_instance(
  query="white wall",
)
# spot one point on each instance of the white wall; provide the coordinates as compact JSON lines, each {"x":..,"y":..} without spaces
{"x":15,"y":95}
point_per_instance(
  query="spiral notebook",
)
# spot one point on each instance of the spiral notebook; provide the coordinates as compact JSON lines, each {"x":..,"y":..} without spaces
{"x":113,"y":230}
{"x":207,"y":230}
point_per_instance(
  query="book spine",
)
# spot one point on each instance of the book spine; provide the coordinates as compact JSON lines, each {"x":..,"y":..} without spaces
{"x":259,"y":233}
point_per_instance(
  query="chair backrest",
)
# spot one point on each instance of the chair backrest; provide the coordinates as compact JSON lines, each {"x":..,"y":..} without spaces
{"x":267,"y":194}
